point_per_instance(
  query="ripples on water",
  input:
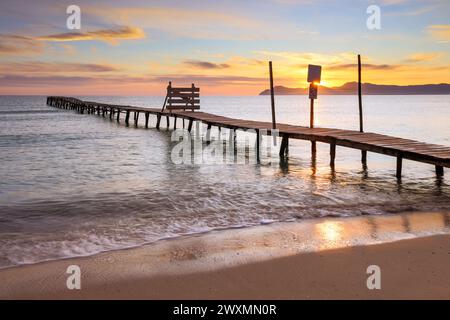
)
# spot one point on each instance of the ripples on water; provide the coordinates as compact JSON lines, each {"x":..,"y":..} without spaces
{"x":76,"y":184}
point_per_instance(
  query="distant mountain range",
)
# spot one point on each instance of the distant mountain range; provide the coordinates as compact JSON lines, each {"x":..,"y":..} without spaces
{"x":351,"y":88}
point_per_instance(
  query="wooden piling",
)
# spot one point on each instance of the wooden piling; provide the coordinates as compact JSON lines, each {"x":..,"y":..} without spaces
{"x":272,"y":96}
{"x":313,"y":147}
{"x":399,"y":167}
{"x":311,"y":122}
{"x":158,"y":121}
{"x":136,"y":118}
{"x":311,"y":113}
{"x":284,"y":148}
{"x":439,"y":171}
{"x":147,"y":115}
{"x":361,"y":125}
{"x":208,"y":133}
{"x":258,"y":142}
{"x":332,"y":154}
{"x":127,"y":117}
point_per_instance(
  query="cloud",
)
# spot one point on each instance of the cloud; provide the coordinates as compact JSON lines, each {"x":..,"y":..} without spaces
{"x":207,"y":80}
{"x":11,"y":44}
{"x":439,"y":32}
{"x":199,"y":23}
{"x":11,"y":80}
{"x":206,"y":64}
{"x":68,"y":49}
{"x":108,"y":35}
{"x":304,"y":58}
{"x":364,"y":66}
{"x":42,"y":81}
{"x":423,"y":57}
{"x":53,"y":67}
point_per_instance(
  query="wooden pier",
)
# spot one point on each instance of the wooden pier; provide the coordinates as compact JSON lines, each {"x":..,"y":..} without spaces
{"x":433,"y":154}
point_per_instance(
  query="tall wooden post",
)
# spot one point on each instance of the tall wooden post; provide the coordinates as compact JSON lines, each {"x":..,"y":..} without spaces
{"x":311,"y":112}
{"x":272,"y":96}
{"x":258,"y":136}
{"x":361,"y":125}
{"x":312,"y":96}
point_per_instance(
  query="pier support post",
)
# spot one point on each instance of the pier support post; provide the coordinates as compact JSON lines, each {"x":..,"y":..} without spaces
{"x":208,"y":134}
{"x":399,"y":167}
{"x":136,"y":118}
{"x":313,"y":147}
{"x":439,"y":171}
{"x":364,"y":157}
{"x":158,"y":121}
{"x":127,"y":118}
{"x":197,"y":130}
{"x":175,"y":123}
{"x":118,"y":115}
{"x":232,"y":141}
{"x":332,"y":154}
{"x":190,"y":125}
{"x":147,"y":115}
{"x":258,"y":143}
{"x":284,"y":148}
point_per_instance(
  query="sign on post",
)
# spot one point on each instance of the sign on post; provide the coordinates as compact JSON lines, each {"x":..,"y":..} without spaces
{"x":314,"y":73}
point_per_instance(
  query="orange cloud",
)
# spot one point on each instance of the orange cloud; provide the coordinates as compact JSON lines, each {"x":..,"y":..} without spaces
{"x":53,"y":67}
{"x":369,"y":66}
{"x":440,"y":32}
{"x":422,"y":57}
{"x":11,"y":44}
{"x":108,"y":35}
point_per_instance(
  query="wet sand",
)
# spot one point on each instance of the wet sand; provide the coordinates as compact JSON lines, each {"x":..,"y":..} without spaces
{"x":316,"y":259}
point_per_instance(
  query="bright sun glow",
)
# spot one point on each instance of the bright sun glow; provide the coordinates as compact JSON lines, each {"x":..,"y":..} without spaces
{"x":331,"y":231}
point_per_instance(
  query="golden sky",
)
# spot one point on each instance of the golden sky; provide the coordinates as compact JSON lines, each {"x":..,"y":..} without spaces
{"x":135,"y":47}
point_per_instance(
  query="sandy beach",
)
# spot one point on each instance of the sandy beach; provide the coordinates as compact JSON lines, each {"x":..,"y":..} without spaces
{"x":279,"y":261}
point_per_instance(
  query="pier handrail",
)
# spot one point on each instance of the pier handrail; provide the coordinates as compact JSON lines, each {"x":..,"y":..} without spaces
{"x":182,"y":98}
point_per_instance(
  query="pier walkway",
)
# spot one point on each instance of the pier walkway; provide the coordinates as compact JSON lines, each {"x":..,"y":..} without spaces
{"x":437,"y":155}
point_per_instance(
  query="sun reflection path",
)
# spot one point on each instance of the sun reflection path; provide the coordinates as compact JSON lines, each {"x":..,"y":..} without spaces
{"x":331,"y":232}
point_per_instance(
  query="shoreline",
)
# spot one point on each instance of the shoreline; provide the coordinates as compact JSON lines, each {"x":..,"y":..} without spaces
{"x":252,"y":263}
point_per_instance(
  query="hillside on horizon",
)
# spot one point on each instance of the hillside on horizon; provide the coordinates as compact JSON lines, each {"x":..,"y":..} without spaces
{"x":351,"y":88}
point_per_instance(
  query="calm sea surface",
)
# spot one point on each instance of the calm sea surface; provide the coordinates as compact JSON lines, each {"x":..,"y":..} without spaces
{"x":73,"y":184}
